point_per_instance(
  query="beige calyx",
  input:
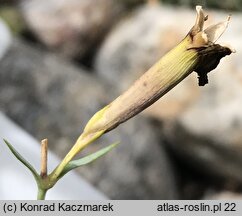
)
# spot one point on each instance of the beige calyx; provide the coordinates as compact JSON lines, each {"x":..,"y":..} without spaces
{"x":205,"y":37}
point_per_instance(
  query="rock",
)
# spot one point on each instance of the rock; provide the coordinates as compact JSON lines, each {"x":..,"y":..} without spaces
{"x":7,"y":2}
{"x":134,"y":45}
{"x":203,"y":125}
{"x":51,"y":98}
{"x":224,"y":5}
{"x":5,"y":38}
{"x":223,"y":195}
{"x":29,"y":76}
{"x":73,"y":28}
{"x":207,"y":134}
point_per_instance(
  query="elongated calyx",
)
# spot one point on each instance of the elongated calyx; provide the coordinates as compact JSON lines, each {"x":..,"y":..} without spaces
{"x":196,"y":52}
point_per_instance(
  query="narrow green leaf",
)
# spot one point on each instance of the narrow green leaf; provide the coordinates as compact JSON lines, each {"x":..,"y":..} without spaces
{"x":87,"y":159}
{"x":22,"y":160}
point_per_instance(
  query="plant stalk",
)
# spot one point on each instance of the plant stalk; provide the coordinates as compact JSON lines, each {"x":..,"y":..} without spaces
{"x":41,"y":193}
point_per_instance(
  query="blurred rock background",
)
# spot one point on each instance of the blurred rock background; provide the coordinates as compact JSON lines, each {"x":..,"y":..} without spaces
{"x":61,"y":61}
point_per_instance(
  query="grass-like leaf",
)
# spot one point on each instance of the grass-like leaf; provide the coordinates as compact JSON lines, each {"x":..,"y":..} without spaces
{"x":22,"y":160}
{"x":87,"y":159}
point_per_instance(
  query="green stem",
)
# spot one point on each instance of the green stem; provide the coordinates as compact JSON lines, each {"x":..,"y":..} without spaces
{"x":41,"y":193}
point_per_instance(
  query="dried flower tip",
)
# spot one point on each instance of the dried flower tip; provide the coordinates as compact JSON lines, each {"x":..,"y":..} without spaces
{"x":204,"y":41}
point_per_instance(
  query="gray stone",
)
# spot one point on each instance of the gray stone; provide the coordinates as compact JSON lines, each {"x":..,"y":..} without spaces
{"x":224,"y":5}
{"x":36,"y":86}
{"x":51,"y":98}
{"x":73,"y":28}
{"x":138,"y":42}
{"x":223,"y":195}
{"x":208,"y":131}
{"x":5,"y":38}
